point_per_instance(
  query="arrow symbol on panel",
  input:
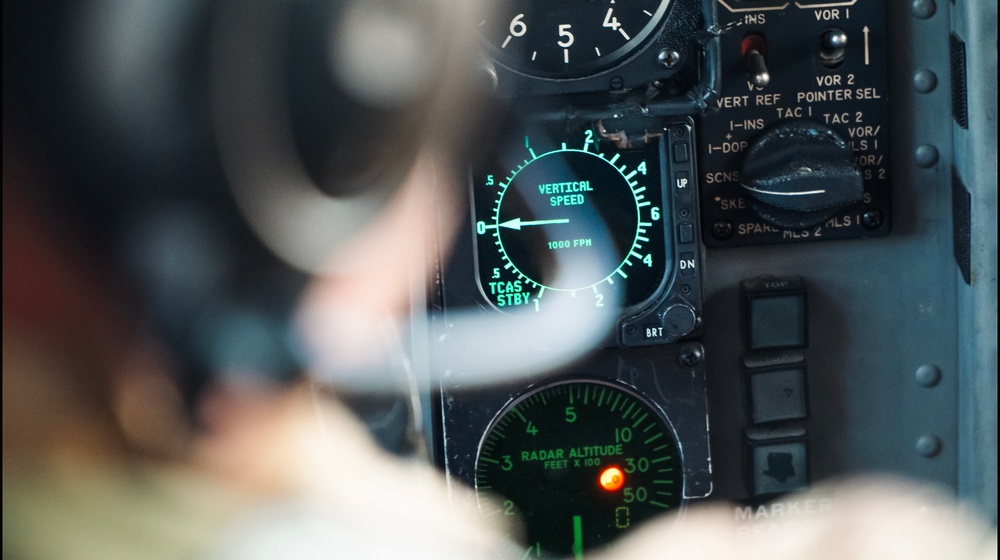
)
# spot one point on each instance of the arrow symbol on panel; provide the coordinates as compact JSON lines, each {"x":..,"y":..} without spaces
{"x":866,"y":45}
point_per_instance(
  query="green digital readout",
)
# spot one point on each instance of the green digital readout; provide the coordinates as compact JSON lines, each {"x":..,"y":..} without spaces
{"x":578,"y":462}
{"x":548,"y":207}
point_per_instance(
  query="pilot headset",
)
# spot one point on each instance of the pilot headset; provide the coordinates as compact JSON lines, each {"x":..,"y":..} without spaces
{"x":218,"y":152}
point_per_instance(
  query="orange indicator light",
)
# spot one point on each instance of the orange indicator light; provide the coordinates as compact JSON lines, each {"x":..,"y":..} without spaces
{"x":612,"y":478}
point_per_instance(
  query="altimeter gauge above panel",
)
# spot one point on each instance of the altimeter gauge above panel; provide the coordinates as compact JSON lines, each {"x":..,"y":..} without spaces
{"x":569,"y":39}
{"x":576,"y":218}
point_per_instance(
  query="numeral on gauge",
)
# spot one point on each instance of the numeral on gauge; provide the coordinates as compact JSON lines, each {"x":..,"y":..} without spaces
{"x":610,"y":21}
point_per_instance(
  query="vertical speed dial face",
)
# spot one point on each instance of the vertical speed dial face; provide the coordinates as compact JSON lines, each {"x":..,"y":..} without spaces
{"x":578,"y":463}
{"x":569,"y":38}
{"x":570,"y":220}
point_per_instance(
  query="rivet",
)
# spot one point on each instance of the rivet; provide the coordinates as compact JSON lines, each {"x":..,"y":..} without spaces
{"x":928,"y":446}
{"x":928,"y":375}
{"x":924,"y":81}
{"x":923,"y":9}
{"x":926,"y":155}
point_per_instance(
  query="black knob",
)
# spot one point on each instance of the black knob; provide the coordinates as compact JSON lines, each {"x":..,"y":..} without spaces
{"x":679,"y":319}
{"x":799,"y":173}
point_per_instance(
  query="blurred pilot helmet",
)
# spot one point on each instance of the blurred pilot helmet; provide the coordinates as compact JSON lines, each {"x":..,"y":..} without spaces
{"x":219,"y":153}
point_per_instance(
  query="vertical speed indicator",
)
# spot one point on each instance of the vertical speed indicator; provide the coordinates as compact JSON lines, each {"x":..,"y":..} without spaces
{"x":578,"y":463}
{"x":571,"y":219}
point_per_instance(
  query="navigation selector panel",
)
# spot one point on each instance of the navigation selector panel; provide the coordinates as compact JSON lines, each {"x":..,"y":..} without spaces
{"x":791,"y":69}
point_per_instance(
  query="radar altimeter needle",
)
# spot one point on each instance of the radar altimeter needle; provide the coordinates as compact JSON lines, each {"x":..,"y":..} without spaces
{"x":577,"y":537}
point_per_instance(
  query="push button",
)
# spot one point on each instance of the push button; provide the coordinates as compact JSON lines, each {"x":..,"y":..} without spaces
{"x":776,"y":313}
{"x":681,"y":154}
{"x":778,"y":394}
{"x":685,"y":233}
{"x":779,"y":467}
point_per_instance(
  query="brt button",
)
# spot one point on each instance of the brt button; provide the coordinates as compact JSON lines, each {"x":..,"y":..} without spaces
{"x":676,"y":321}
{"x":679,"y":319}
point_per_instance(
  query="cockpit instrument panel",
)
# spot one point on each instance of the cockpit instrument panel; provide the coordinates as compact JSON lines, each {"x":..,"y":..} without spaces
{"x":671,"y":166}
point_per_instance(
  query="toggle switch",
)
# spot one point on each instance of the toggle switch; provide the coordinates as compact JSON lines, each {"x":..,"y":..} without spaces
{"x":832,"y":44}
{"x":754,"y":51}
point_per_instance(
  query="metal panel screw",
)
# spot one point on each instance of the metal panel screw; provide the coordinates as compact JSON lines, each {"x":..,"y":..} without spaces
{"x":668,"y":58}
{"x":722,"y":230}
{"x":690,"y":356}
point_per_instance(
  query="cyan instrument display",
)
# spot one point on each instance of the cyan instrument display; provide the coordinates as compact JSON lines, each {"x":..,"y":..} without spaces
{"x":562,"y":203}
{"x":563,"y":219}
{"x":571,"y":219}
{"x":568,"y":39}
{"x":577,"y":463}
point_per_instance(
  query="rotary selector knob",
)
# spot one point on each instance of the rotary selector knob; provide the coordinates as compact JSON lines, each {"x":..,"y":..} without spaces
{"x":679,"y":319}
{"x":799,"y":173}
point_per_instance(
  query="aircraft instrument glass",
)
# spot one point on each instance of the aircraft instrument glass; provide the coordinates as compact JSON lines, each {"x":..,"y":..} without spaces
{"x":578,"y":462}
{"x":551,"y":204}
{"x":568,"y":38}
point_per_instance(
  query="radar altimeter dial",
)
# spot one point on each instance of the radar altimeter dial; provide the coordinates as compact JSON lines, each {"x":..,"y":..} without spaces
{"x":579,"y":463}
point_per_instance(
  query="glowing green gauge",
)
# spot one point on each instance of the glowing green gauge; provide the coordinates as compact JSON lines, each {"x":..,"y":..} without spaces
{"x":565,"y":204}
{"x":578,"y":463}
